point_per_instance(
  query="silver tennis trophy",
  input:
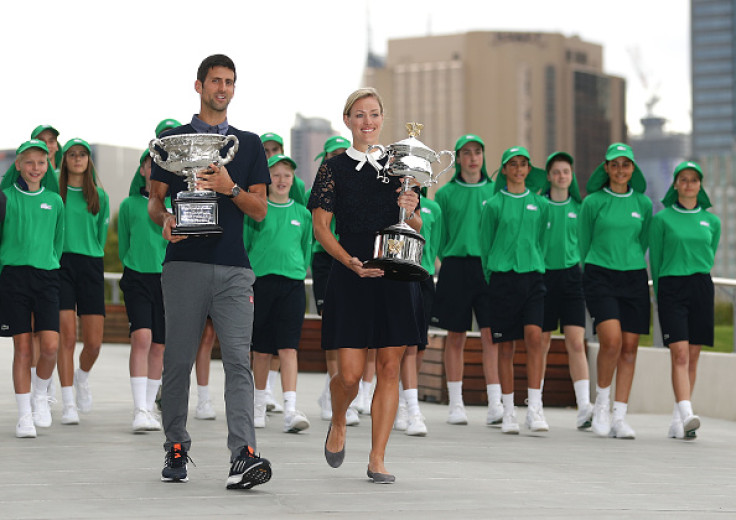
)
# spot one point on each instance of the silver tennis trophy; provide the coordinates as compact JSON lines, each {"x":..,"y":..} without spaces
{"x":398,"y":248}
{"x":189,"y":155}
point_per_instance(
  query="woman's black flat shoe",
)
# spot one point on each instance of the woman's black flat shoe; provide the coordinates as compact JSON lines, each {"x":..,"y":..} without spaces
{"x":334,"y":459}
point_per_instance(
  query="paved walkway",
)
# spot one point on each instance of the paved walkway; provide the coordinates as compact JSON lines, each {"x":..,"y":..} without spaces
{"x":100,"y":469}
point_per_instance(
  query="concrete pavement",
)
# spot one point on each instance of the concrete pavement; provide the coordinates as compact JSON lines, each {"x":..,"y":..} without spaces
{"x":99,"y":469}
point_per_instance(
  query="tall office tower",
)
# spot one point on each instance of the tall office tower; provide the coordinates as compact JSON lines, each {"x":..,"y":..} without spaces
{"x":543,"y":91}
{"x":308,"y":136}
{"x":713,"y":59}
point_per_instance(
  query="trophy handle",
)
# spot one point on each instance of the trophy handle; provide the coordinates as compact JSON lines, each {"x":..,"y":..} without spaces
{"x":449,"y":166}
{"x":154,"y":153}
{"x":231,"y":152}
{"x":374,"y":162}
{"x":377,"y":147}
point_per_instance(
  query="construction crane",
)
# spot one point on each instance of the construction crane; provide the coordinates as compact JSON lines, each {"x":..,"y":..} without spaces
{"x":651,"y":93}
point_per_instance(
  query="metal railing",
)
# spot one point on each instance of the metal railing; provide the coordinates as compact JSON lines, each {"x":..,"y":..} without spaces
{"x":724,"y":285}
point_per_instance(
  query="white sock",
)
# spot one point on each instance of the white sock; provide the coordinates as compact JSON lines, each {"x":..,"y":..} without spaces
{"x":535,"y":397}
{"x":152,"y":386}
{"x":203,"y":393}
{"x":33,"y":373}
{"x":271,"y":382}
{"x":289,"y":402}
{"x":81,"y":375}
{"x":39,"y":386}
{"x":24,"y":404}
{"x":138,"y":387}
{"x":455,"y":392}
{"x":676,"y":413}
{"x":619,"y":409}
{"x":412,"y":401}
{"x":67,"y":395}
{"x":686,"y":409}
{"x":541,"y":385}
{"x":494,"y":393}
{"x":602,"y":395}
{"x":260,"y":397}
{"x":582,"y":392}
{"x":402,"y":397}
{"x":508,"y":403}
{"x":326,"y":390}
{"x":365,"y":389}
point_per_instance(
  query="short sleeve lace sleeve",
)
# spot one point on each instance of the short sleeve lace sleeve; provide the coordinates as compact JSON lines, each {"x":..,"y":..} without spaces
{"x":323,"y":190}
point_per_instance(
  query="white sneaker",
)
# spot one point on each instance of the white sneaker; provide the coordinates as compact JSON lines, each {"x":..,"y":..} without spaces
{"x":84,"y":396}
{"x":41,"y":410}
{"x":271,"y":404}
{"x":69,"y":414}
{"x":621,"y":430}
{"x":294,"y":422}
{"x":351,"y":417}
{"x":416,"y":426}
{"x":601,"y":423}
{"x":457,"y":415}
{"x":401,"y":423}
{"x":509,"y":424}
{"x":495,"y":414}
{"x":259,"y":416}
{"x":584,"y":419}
{"x":689,"y":425}
{"x":141,"y":421}
{"x":535,"y":420}
{"x":154,"y":424}
{"x":25,"y":428}
{"x":325,"y":407}
{"x":676,"y":431}
{"x":204,"y":411}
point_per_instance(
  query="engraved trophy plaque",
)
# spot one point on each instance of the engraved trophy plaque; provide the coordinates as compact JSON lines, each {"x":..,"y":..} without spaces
{"x":398,"y":248}
{"x":189,"y":155}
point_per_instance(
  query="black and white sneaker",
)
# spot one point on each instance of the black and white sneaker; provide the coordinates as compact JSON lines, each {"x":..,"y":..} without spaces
{"x":248,"y":470}
{"x":175,"y":465}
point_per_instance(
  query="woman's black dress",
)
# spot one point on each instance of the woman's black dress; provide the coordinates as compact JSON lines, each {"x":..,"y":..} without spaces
{"x":364,"y":312}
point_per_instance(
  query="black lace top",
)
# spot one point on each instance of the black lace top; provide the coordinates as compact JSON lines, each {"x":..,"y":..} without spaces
{"x":359,"y":201}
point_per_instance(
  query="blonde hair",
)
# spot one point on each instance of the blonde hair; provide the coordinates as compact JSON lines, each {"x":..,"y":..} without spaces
{"x":360,"y":94}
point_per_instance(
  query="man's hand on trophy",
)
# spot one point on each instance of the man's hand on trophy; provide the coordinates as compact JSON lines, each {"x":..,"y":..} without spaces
{"x":169,"y":224}
{"x":215,"y":178}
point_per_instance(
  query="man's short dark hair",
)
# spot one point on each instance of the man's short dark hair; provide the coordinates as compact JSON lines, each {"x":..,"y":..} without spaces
{"x":216,"y":60}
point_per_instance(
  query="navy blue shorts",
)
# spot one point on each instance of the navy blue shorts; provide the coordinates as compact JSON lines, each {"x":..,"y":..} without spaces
{"x":428,"y":291}
{"x":279,"y":308}
{"x":517,"y":300}
{"x":26,"y":291}
{"x":564,"y":303}
{"x":685,"y":309}
{"x":144,"y":302}
{"x":321,"y":266}
{"x":461,"y":291}
{"x":618,"y":295}
{"x":82,"y":284}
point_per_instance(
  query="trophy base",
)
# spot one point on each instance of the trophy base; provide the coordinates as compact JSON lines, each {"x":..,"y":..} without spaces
{"x":401,"y":270}
{"x":200,"y":231}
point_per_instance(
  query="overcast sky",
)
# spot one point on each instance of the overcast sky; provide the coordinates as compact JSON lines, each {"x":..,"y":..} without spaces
{"x":109,"y":71}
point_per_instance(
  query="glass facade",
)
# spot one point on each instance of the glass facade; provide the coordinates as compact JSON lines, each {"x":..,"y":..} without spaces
{"x":592,"y":113}
{"x":713,"y":32}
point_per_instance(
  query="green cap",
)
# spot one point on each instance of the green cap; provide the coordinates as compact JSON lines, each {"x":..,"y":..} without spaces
{"x":33,"y":143}
{"x":574,"y":189}
{"x":671,"y":196}
{"x":270,"y":136}
{"x":534,"y":181}
{"x":76,"y":141}
{"x":599,"y":178}
{"x":138,"y":182}
{"x":281,"y":157}
{"x":333,"y":143}
{"x":166,"y":124}
{"x":42,"y":128}
{"x":462,"y":141}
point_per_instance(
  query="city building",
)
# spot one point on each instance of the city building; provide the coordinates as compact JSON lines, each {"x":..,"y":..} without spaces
{"x":308,"y":136}
{"x":543,"y":91}
{"x":713,"y":62}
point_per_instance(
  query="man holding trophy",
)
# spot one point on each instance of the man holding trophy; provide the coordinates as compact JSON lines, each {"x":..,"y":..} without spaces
{"x":206,"y":270}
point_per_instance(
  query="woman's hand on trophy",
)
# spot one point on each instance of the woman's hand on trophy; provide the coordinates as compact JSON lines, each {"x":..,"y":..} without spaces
{"x":168,"y":227}
{"x":215,"y":178}
{"x":357,"y":266}
{"x":408,"y":200}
